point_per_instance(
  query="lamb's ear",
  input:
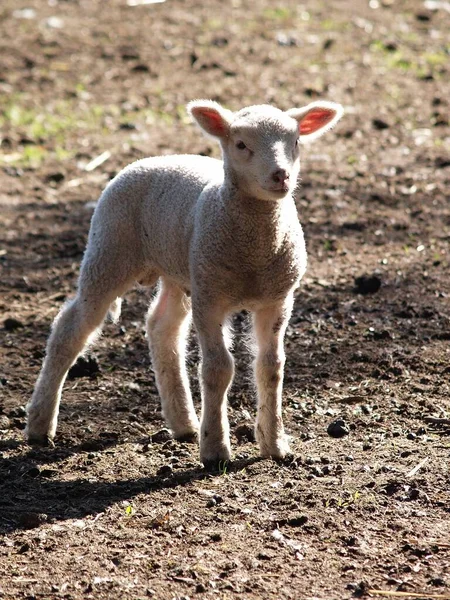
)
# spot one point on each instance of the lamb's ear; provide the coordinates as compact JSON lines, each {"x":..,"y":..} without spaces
{"x":316,"y":118}
{"x":212,"y":118}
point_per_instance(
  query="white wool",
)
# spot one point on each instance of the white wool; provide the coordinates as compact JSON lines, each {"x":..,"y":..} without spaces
{"x":220,"y":236}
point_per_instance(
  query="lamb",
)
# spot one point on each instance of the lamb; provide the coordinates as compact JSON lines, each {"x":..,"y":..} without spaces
{"x":218,"y":237}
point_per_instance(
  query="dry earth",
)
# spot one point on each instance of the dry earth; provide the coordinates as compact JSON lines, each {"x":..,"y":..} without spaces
{"x":115,"y":511}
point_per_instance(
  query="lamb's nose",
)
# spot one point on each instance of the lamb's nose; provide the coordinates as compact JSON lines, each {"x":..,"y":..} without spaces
{"x":280,"y":176}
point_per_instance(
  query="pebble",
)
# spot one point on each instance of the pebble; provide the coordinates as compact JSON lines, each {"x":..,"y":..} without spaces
{"x":10,"y":324}
{"x":214,"y":501}
{"x":244,"y":433}
{"x":32,"y":520}
{"x":414,"y":493}
{"x":317,"y":471}
{"x":56,"y":177}
{"x":165,"y":471}
{"x":379,"y":124}
{"x":48,"y":473}
{"x":162,"y":436}
{"x":367,"y":284}
{"x":19,"y":411}
{"x":5,"y":423}
{"x":297,"y":521}
{"x":33,"y":472}
{"x":84,"y":367}
{"x":338,"y":428}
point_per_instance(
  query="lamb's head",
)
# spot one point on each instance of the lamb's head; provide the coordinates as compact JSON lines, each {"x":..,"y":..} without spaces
{"x":260,"y":144}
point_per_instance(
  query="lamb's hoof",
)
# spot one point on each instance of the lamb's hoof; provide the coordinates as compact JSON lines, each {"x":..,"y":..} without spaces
{"x":220,"y":467}
{"x":277,"y":450}
{"x":44,"y":441}
{"x":215,"y":457}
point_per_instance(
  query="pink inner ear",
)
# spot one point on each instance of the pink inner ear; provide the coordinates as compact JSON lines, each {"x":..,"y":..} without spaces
{"x":315,"y":119}
{"x":212,"y":121}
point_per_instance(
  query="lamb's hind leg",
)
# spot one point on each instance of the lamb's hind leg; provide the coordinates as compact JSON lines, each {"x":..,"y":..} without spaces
{"x":270,"y":326}
{"x":168,"y":323}
{"x":77,"y":322}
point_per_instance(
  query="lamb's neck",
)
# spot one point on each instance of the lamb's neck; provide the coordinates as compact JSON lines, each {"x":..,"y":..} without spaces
{"x":262,"y":227}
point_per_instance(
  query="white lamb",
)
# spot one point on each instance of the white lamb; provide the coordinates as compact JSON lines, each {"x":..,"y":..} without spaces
{"x":220,"y":237}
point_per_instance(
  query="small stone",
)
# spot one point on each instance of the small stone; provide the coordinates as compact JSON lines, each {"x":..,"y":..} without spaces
{"x":19,"y":411}
{"x":367,"y":284}
{"x":338,"y":428}
{"x":317,"y":472}
{"x":161,"y":437}
{"x":441,"y":162}
{"x":24,"y":548}
{"x":391,"y":46}
{"x":48,"y":473}
{"x":297,"y":521}
{"x":437,"y":582}
{"x":140,"y":68}
{"x":244,"y":433}
{"x":214,"y":501}
{"x":54,"y":177}
{"x":411,"y":436}
{"x":414,"y":493}
{"x":284,"y":39}
{"x":33,"y":472}
{"x":379,"y":124}
{"x":165,"y":471}
{"x":32,"y":520}
{"x":10,"y":324}
{"x":265,"y":555}
{"x":423,"y":16}
{"x":84,"y":367}
{"x":5,"y":423}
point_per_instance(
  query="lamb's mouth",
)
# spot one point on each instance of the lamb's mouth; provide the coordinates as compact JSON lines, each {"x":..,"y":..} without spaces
{"x":278,"y":191}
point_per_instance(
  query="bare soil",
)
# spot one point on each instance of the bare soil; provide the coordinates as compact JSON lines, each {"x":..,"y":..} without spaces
{"x":115,"y":511}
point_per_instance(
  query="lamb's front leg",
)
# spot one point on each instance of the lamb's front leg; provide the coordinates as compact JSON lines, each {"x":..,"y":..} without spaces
{"x":270,"y":326}
{"x":216,"y":374}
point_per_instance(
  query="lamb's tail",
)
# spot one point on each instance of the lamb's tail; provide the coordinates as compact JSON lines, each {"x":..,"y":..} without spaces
{"x":114,"y":310}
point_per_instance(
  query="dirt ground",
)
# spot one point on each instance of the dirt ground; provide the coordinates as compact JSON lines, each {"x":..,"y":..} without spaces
{"x":117,"y":512}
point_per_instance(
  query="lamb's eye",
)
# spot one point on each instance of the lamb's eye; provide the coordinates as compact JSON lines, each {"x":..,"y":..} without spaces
{"x":296,"y":143}
{"x":240,"y":145}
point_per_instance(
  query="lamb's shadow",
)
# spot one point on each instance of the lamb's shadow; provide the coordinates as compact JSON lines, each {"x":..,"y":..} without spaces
{"x":27,"y":501}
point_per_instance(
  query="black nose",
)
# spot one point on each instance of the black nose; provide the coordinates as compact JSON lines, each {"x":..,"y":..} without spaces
{"x":280,"y":176}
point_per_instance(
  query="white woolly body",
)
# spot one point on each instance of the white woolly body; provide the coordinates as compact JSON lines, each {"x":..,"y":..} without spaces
{"x":219,"y":237}
{"x":205,"y":234}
